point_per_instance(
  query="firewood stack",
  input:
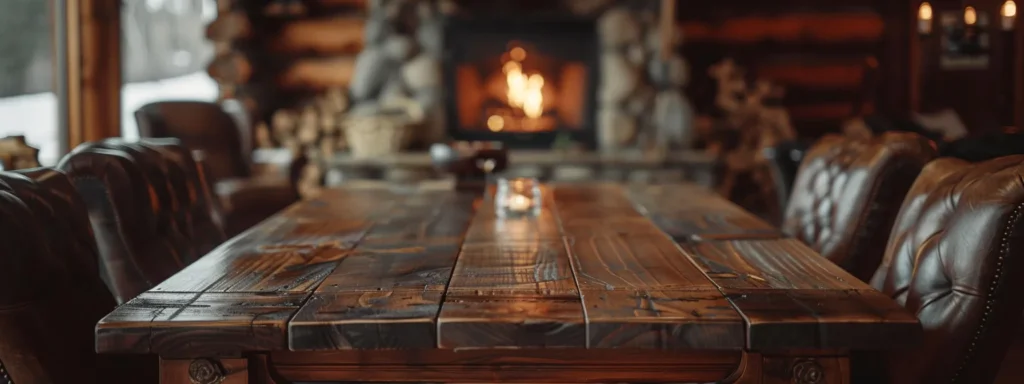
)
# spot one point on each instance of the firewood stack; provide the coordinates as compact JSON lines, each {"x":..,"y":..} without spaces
{"x":284,"y":54}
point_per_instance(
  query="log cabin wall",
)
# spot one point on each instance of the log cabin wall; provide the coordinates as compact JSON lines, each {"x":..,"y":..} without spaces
{"x":837,"y":59}
{"x":987,"y":97}
{"x":280,"y":54}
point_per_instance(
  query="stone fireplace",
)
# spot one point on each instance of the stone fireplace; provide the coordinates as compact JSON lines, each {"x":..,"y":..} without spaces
{"x":523,"y":81}
{"x":592,"y":73}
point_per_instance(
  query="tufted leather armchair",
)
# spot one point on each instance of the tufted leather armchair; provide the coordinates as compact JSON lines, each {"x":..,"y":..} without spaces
{"x":53,"y":295}
{"x":137,"y":240}
{"x":225,"y":148}
{"x":847,"y":194}
{"x":954,"y":259}
{"x":203,"y":225}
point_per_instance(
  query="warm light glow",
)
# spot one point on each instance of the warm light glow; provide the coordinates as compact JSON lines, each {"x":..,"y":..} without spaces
{"x":925,"y":11}
{"x":495,"y":123}
{"x":524,"y":91}
{"x":1009,"y":9}
{"x":517,"y":54}
{"x":970,"y":16}
{"x":518,"y":203}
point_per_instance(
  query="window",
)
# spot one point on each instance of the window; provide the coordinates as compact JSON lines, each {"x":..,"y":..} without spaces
{"x":164,"y":54}
{"x":28,"y":99}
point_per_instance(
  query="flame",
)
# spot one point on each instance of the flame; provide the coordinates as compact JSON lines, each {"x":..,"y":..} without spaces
{"x":1009,"y":9}
{"x":524,"y":91}
{"x":970,"y":16}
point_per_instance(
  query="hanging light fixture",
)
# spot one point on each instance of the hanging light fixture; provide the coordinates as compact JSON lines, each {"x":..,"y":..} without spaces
{"x":970,"y":16}
{"x":1008,"y":14}
{"x":924,"y":18}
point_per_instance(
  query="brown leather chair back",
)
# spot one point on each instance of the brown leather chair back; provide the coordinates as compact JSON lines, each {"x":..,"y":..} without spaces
{"x":847,"y":194}
{"x":205,"y":227}
{"x":44,"y":339}
{"x":52,"y":332}
{"x":956,"y":259}
{"x":169,"y":184}
{"x":202,"y":126}
{"x":137,"y":251}
{"x":64,"y":220}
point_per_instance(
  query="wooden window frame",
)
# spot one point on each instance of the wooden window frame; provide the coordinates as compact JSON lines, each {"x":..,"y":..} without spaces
{"x":89,"y":71}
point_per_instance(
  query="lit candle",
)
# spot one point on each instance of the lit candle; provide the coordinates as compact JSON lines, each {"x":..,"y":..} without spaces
{"x":517,"y":197}
{"x":518,"y":203}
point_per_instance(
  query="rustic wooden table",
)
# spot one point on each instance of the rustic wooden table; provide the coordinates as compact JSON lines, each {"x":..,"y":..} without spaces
{"x":608,"y":284}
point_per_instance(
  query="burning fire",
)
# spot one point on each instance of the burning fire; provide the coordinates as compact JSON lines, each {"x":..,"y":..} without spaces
{"x":524,"y":91}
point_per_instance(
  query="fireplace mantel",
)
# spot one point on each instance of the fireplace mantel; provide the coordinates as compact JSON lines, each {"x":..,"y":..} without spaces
{"x":625,"y":165}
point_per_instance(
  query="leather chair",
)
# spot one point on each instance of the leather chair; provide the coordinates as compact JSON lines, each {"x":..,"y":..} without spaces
{"x":169,"y":184}
{"x":244,"y":199}
{"x":137,"y":246}
{"x":954,"y":258}
{"x":52,"y":294}
{"x":847,"y":194}
{"x":206,"y":227}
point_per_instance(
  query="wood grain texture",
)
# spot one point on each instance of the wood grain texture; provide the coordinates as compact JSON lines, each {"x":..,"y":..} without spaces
{"x":241,"y":296}
{"x":688,"y":212}
{"x":791,"y":297}
{"x":638,"y":289}
{"x":388,"y":292}
{"x":370,"y":275}
{"x":507,"y":365}
{"x":512,"y":286}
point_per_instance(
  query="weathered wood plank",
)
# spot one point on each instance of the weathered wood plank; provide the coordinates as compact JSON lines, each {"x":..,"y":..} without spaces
{"x":638,"y":289}
{"x":633,"y":263}
{"x":511,"y":268}
{"x":779,"y":264}
{"x":508,"y":366}
{"x":791,"y":297}
{"x":688,"y":212}
{"x":512,"y":286}
{"x":399,"y":318}
{"x":388,"y":292}
{"x":662,"y":319}
{"x":241,"y":296}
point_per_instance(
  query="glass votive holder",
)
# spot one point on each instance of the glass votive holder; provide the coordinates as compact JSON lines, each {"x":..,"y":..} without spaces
{"x":517,"y":197}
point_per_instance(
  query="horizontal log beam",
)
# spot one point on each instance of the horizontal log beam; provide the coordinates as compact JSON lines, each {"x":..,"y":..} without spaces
{"x":828,"y":28}
{"x":318,"y":73}
{"x":809,"y":75}
{"x":303,"y":73}
{"x":342,"y":34}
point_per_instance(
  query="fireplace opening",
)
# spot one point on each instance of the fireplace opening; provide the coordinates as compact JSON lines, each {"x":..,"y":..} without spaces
{"x":522,"y":82}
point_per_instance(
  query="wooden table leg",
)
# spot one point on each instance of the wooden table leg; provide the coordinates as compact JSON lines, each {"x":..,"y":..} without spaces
{"x":204,"y":371}
{"x":785,"y":369}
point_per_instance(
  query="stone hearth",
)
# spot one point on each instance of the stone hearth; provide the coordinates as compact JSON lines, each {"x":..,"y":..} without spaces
{"x":639,"y":102}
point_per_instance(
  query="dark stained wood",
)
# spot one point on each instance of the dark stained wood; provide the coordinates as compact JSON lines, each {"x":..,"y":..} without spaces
{"x":430,"y":286}
{"x":241,"y":296}
{"x":388,"y":292}
{"x":221,"y":371}
{"x":791,"y":297}
{"x":507,"y":365}
{"x":512,"y":286}
{"x":687,"y":212}
{"x":815,"y":26}
{"x":638,"y":289}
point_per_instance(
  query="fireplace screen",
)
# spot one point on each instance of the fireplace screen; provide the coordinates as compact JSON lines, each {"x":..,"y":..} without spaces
{"x":522,"y":83}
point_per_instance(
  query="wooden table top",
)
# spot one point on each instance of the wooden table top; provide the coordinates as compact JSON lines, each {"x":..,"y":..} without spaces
{"x":603,"y":266}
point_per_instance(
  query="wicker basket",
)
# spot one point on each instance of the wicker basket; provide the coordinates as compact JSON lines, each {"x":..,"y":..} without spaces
{"x":377,"y":135}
